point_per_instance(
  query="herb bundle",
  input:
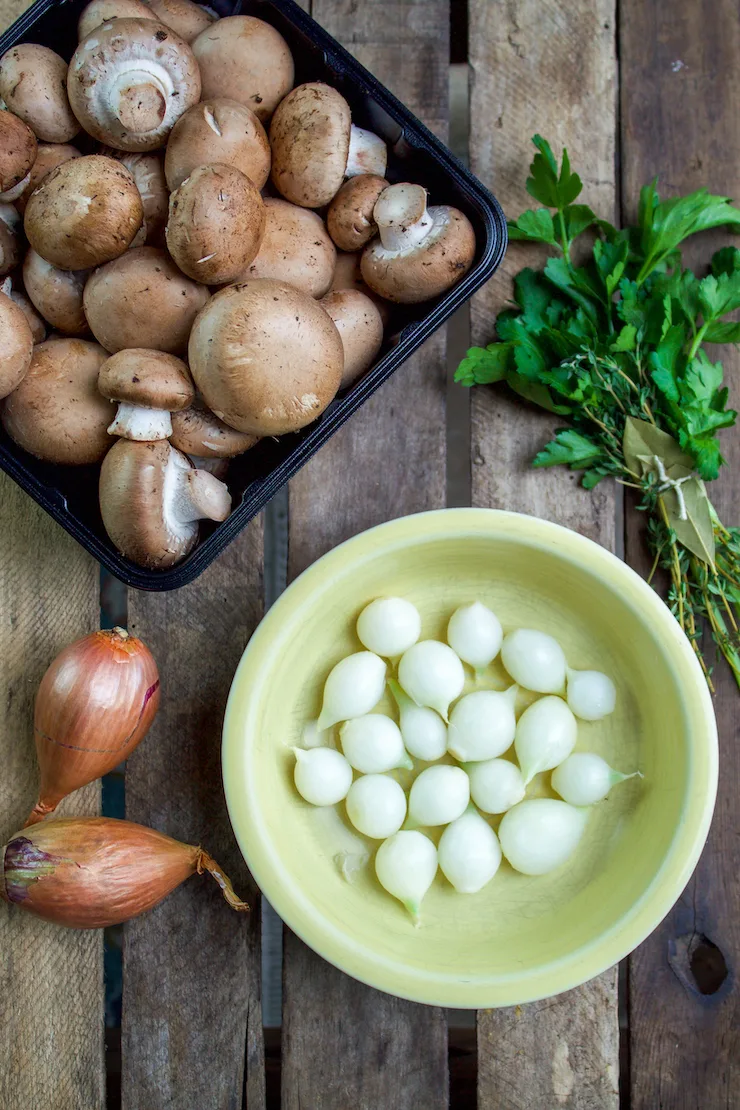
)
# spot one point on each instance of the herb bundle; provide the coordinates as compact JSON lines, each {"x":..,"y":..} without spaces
{"x":615,"y":346}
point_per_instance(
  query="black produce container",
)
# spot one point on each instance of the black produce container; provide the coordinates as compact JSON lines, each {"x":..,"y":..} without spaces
{"x":70,"y":494}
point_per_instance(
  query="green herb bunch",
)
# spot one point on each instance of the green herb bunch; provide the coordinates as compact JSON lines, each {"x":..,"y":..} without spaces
{"x":614,"y":345}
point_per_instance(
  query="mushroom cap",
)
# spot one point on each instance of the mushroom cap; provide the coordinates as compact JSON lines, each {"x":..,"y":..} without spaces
{"x":216,"y":224}
{"x":33,"y":84}
{"x":144,"y":377}
{"x":218,"y":130}
{"x":142,"y":300}
{"x":426,"y":270}
{"x":56,"y":413}
{"x":245,"y":59}
{"x":147,"y":169}
{"x":10,"y":225}
{"x":16,"y":345}
{"x":17,"y":150}
{"x":129,"y":82}
{"x":347,"y":275}
{"x":183,"y":16}
{"x":132,"y":491}
{"x":296,"y":249}
{"x":48,"y":157}
{"x":100,"y":11}
{"x":360,"y":326}
{"x":85,"y":212}
{"x":57,"y":294}
{"x":35,"y":322}
{"x":196,"y":431}
{"x":266,"y":357}
{"x":309,"y":136}
{"x":350,"y":216}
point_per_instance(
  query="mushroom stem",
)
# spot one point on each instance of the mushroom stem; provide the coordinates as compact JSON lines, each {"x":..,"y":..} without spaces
{"x":402,"y":218}
{"x":210,"y":498}
{"x":139,"y":95}
{"x":12,"y":194}
{"x":141,"y":422}
{"x":367,"y":153}
{"x":191,"y":495}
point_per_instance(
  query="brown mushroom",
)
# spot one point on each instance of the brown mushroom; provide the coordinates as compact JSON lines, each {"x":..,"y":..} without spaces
{"x":218,"y":130}
{"x":48,"y":157}
{"x":245,"y":59}
{"x":17,"y":153}
{"x":315,"y":146}
{"x":100,"y":11}
{"x":57,"y":294}
{"x":56,"y":413}
{"x":10,"y":227}
{"x":219,"y":468}
{"x":16,"y":344}
{"x":152,"y":498}
{"x":85,"y":212}
{"x":216,"y":224}
{"x":33,"y":83}
{"x":130,"y":80}
{"x":350,"y":217}
{"x":35,"y":322}
{"x":183,"y":16}
{"x":361,"y":329}
{"x":147,"y":170}
{"x":142,"y":300}
{"x":148,"y":386}
{"x":267,"y":358}
{"x":347,"y":275}
{"x":200,"y":434}
{"x":421,"y":252}
{"x":296,"y":249}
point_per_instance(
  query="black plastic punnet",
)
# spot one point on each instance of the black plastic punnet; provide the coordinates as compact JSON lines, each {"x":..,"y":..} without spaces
{"x":69,"y":494}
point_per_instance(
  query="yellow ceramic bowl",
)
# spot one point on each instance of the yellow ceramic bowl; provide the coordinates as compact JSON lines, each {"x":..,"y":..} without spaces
{"x":521,"y":938}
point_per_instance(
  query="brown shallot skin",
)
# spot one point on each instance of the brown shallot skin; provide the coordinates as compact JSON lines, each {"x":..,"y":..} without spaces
{"x":95,"y":703}
{"x":91,"y":872}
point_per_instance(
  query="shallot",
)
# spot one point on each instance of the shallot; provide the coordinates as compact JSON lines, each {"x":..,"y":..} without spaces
{"x":91,"y":872}
{"x":439,"y":795}
{"x":495,"y":785}
{"x":95,"y":703}
{"x":376,"y":806}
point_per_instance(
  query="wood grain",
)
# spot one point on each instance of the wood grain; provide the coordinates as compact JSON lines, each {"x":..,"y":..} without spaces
{"x":191,"y":998}
{"x":546,"y":67}
{"x":51,"y":979}
{"x":343,"y":1043}
{"x":680,"y":90}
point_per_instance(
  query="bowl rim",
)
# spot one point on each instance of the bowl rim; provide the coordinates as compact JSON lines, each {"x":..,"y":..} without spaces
{"x":586,"y":961}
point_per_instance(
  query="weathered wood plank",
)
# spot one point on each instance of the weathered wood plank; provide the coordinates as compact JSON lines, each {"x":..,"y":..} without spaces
{"x":344,"y":1044}
{"x":680,"y":89}
{"x":191,"y":998}
{"x":545,"y":67}
{"x":51,"y":979}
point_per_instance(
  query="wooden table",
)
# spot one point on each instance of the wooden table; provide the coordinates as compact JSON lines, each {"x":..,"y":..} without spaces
{"x":656,"y":92}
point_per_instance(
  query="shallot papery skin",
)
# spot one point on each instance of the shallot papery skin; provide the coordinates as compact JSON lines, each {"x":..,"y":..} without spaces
{"x":94,"y":704}
{"x":90,"y":872}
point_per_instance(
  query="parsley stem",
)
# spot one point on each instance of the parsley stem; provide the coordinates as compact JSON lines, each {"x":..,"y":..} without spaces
{"x":564,"y":236}
{"x":698,"y":340}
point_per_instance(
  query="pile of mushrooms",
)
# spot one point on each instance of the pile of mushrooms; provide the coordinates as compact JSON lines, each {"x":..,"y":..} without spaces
{"x":194,"y":254}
